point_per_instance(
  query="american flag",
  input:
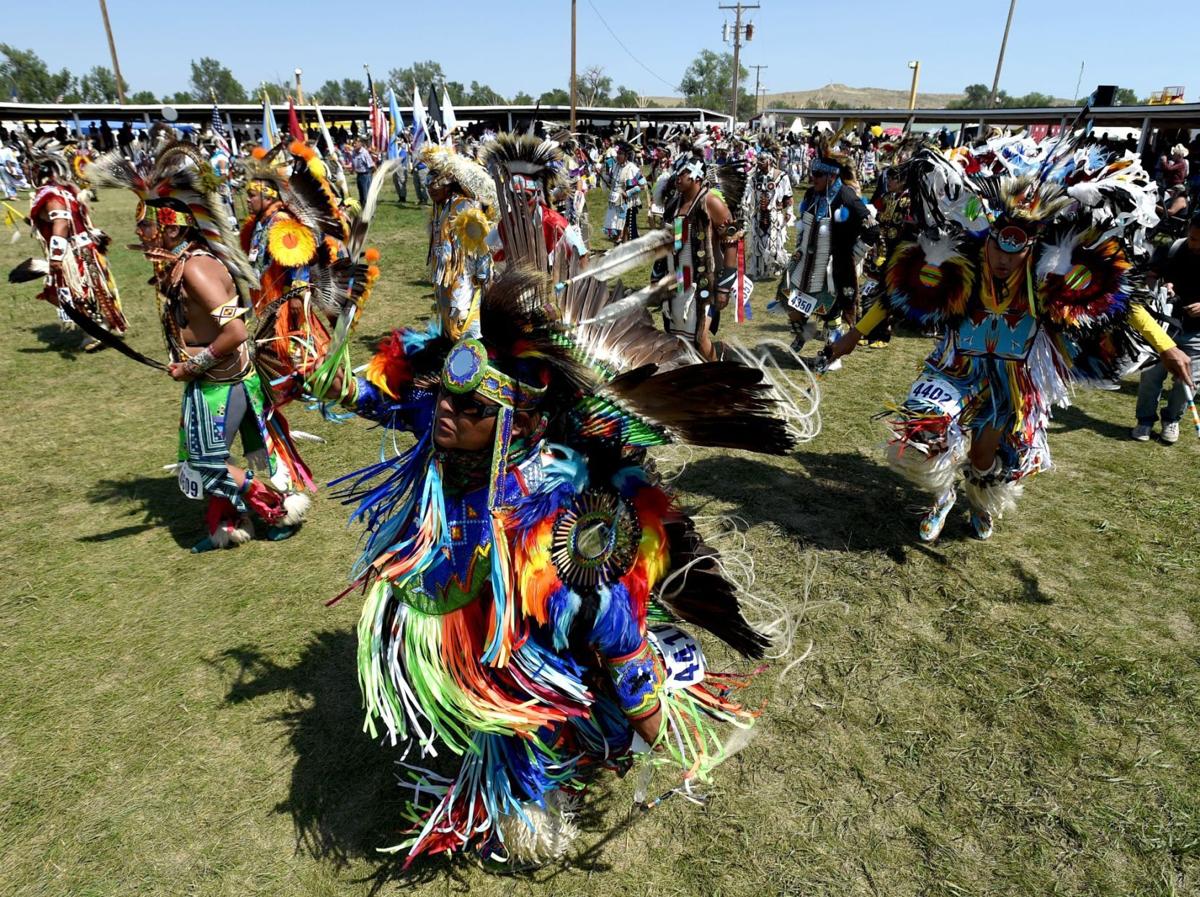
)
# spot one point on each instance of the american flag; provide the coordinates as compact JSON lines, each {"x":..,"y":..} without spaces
{"x":379,"y":128}
{"x":218,"y":129}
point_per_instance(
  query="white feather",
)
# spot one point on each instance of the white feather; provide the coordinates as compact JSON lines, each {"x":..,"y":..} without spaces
{"x":629,"y":255}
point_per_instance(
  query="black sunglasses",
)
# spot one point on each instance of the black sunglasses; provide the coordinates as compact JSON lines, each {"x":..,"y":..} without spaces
{"x":467,"y":405}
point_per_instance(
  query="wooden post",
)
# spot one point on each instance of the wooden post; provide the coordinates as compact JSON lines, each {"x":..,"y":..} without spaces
{"x":112,"y":49}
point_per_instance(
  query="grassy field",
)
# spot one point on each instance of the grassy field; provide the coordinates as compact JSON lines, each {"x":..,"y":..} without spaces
{"x":1012,"y":718}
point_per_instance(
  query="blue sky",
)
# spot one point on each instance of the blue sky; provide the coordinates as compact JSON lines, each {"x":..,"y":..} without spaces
{"x":517,"y":46}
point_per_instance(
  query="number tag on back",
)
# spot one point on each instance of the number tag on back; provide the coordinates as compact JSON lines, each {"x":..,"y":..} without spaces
{"x":190,"y":483}
{"x":938,"y":392}
{"x":802,"y":303}
{"x":681,"y":655}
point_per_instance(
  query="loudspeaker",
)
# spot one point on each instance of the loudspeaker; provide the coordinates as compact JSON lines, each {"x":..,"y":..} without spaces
{"x":1104,"y":95}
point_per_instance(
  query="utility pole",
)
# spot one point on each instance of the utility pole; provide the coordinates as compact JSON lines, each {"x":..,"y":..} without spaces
{"x":573,"y":89}
{"x":737,"y":47}
{"x":915,"y":65}
{"x":757,"y":73}
{"x":1012,"y":7}
{"x":112,"y":49}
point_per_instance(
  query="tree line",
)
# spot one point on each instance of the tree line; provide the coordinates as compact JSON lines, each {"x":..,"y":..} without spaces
{"x":25,"y":77}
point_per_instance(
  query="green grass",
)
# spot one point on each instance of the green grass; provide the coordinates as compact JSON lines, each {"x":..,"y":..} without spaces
{"x":1015,"y":718}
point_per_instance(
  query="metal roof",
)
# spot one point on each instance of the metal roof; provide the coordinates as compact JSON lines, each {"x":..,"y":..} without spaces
{"x":1178,"y":115}
{"x":250,"y":112}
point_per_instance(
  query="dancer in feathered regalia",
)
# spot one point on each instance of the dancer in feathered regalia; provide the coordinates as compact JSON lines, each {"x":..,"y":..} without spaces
{"x":697,"y":203}
{"x":296,"y":230}
{"x":821,"y":283}
{"x":626,"y":187}
{"x":1030,"y":273}
{"x":525,"y":576}
{"x":204,"y":283}
{"x":76,"y":274}
{"x":460,"y":262}
{"x":768,"y":214}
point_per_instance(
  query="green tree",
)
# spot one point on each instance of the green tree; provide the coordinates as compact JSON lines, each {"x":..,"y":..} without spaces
{"x":25,"y":76}
{"x":279,"y":91}
{"x":210,"y":77}
{"x":556,"y":97}
{"x":330,"y":93}
{"x":593,"y":87}
{"x":420,"y":73}
{"x":1125,"y":97}
{"x":523,"y":99}
{"x":625,"y":97}
{"x":976,"y":97}
{"x":482,"y":95}
{"x":458,"y":92}
{"x":143,"y":98}
{"x":707,"y":80}
{"x":179,"y":98}
{"x":354,"y":92}
{"x":1032,"y":100}
{"x":100,"y":86}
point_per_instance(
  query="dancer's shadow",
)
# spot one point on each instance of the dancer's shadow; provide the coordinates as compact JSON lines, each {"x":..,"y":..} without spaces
{"x":55,"y":338}
{"x":839,"y":502}
{"x":1075,"y":418}
{"x":344,"y":798}
{"x":159,"y":503}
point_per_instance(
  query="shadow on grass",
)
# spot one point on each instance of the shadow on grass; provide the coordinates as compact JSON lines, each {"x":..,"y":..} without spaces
{"x":158,"y":501}
{"x":1075,"y":418}
{"x":56,"y":338}
{"x":840,"y":502}
{"x":344,"y":799}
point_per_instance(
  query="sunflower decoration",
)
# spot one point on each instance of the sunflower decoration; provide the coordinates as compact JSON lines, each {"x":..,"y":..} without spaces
{"x":471,"y":227}
{"x":290,"y":243}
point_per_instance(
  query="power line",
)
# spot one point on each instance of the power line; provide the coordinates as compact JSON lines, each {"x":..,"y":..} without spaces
{"x":627,"y":50}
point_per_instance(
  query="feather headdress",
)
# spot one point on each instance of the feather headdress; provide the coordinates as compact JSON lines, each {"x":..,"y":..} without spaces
{"x":49,"y":158}
{"x":523,"y":154}
{"x":181,"y":179}
{"x":447,"y":167}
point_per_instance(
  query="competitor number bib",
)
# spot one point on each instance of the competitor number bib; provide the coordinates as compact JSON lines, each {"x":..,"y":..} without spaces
{"x":681,"y":656}
{"x":938,"y":392}
{"x":802,"y":303}
{"x":190,"y":483}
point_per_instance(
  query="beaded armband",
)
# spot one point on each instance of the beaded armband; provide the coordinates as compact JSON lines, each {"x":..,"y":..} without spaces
{"x":58,"y":248}
{"x":230,"y":311}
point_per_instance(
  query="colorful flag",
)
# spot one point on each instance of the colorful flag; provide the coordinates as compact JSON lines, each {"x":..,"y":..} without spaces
{"x":294,"y":129}
{"x":448,"y":116}
{"x":218,"y":129}
{"x":333,"y":158}
{"x":420,"y":124}
{"x":379,"y":129}
{"x":397,"y":125}
{"x":270,"y":131}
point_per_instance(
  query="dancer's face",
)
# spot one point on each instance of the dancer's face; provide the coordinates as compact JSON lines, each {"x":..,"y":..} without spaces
{"x":467,"y":423}
{"x":1002,"y":263}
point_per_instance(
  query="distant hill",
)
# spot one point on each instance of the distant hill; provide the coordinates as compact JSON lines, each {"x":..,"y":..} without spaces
{"x":858,"y":97}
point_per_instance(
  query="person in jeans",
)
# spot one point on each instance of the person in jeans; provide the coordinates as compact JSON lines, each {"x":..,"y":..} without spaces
{"x":363,"y":166}
{"x":1177,"y":268}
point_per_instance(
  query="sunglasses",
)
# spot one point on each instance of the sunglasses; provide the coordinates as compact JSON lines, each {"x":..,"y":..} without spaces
{"x":1011,"y":239}
{"x":467,"y":405}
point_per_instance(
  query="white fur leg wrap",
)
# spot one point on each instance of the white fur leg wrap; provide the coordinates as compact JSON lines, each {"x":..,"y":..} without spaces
{"x":991,"y":492}
{"x":295,"y":506}
{"x":544,"y":835}
{"x":931,"y":469}
{"x":227,"y":535}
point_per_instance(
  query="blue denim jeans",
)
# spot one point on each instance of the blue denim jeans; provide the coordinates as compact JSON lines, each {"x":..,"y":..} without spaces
{"x":1151,"y":385}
